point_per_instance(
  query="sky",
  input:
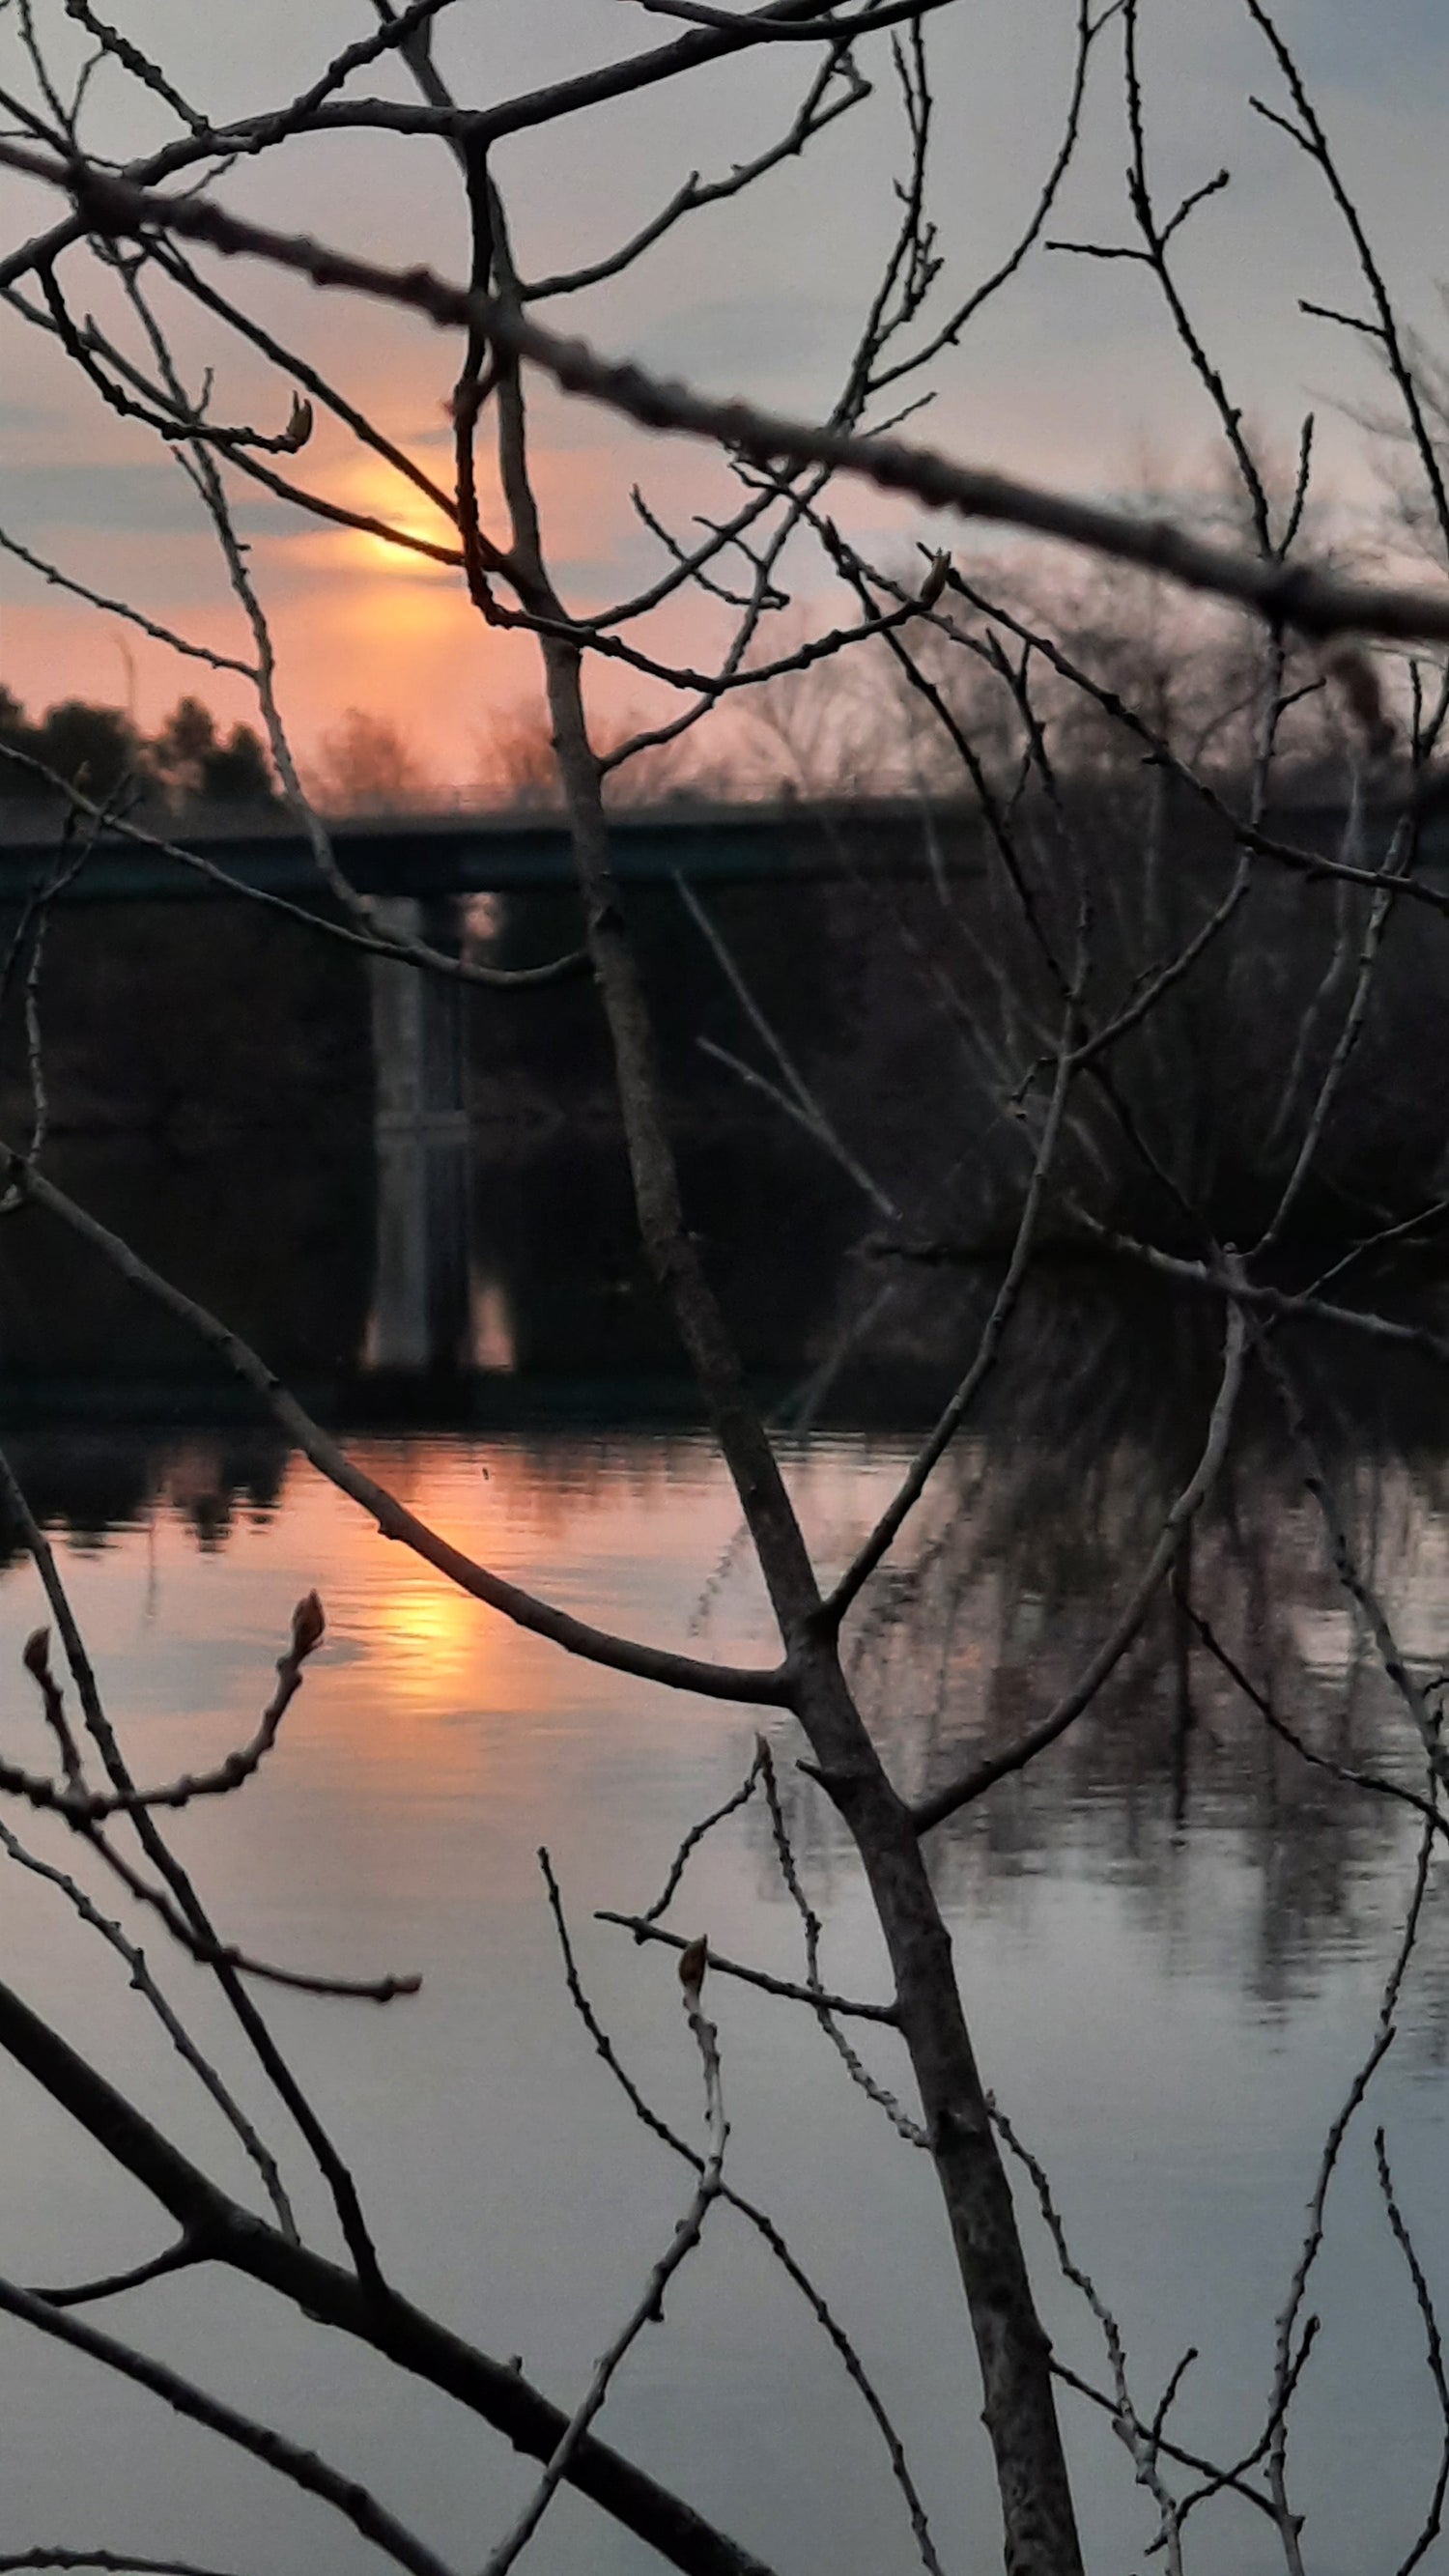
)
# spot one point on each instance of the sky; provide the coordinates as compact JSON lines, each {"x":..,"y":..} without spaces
{"x":1073,"y":374}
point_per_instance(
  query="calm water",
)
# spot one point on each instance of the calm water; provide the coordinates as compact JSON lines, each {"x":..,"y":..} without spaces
{"x":1172,"y":1939}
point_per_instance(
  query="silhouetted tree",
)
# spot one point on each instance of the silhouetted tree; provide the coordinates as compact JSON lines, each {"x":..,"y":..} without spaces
{"x":366,"y":766}
{"x":198,"y":767}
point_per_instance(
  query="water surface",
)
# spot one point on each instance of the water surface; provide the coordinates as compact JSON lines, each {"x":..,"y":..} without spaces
{"x":1172,"y":1937}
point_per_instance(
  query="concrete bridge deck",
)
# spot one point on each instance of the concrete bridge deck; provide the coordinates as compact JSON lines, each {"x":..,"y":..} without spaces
{"x":430,"y":856}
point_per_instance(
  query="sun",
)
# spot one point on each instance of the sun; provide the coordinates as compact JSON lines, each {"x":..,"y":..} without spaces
{"x":375,"y":492}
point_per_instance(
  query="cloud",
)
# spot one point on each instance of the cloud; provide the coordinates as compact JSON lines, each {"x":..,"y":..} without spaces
{"x":748,"y":340}
{"x":28,"y":419}
{"x":1378,"y":51}
{"x":124,"y":500}
{"x":150,"y":500}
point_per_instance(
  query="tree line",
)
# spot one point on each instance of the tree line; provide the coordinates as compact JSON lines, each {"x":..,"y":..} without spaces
{"x":187,"y":761}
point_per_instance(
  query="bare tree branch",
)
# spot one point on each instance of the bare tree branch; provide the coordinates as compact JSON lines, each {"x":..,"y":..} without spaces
{"x":1315,"y":603}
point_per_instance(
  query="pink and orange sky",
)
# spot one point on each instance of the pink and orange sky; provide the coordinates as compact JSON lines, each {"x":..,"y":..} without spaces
{"x":1072,"y":374}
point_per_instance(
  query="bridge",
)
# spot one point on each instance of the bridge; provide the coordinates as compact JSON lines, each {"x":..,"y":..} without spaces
{"x":431,"y":857}
{"x":422,"y":869}
{"x":434,"y":857}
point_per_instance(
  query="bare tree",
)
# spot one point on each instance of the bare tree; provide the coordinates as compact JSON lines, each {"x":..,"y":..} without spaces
{"x":1107,"y":954}
{"x":366,"y":767}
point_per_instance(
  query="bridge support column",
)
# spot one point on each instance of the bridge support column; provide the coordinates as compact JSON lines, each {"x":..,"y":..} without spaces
{"x":420,"y":1309}
{"x":417,"y":1030}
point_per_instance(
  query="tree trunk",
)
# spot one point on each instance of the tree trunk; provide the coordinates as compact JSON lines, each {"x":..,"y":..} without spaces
{"x":1019,"y":2409}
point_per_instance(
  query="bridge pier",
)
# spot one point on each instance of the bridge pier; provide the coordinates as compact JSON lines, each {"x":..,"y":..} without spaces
{"x":421,"y":1301}
{"x":417,"y":1028}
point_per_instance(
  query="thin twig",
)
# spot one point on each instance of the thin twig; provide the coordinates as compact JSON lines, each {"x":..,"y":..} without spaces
{"x":934,"y":1808}
{"x":303,"y":2468}
{"x":1423,"y":2300}
{"x":92,"y":1806}
{"x":691,"y":1841}
{"x":899,"y":2117}
{"x":175,"y":2028}
{"x":1141,"y":2442}
{"x":877,"y":1545}
{"x":649,"y":2309}
{"x":758,"y":2218}
{"x":644,"y":1928}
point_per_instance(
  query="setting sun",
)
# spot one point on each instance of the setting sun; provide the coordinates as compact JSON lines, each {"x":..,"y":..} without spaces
{"x":374,"y":491}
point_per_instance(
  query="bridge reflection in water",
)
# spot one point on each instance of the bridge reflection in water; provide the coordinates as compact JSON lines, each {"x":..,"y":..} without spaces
{"x":422,"y":1304}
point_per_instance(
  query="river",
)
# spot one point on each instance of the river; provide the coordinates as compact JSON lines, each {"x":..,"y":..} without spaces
{"x":1172,"y":1934}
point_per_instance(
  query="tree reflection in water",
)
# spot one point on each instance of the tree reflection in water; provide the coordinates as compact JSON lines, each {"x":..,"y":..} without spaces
{"x":1044,"y":1513}
{"x":1039,"y":1516}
